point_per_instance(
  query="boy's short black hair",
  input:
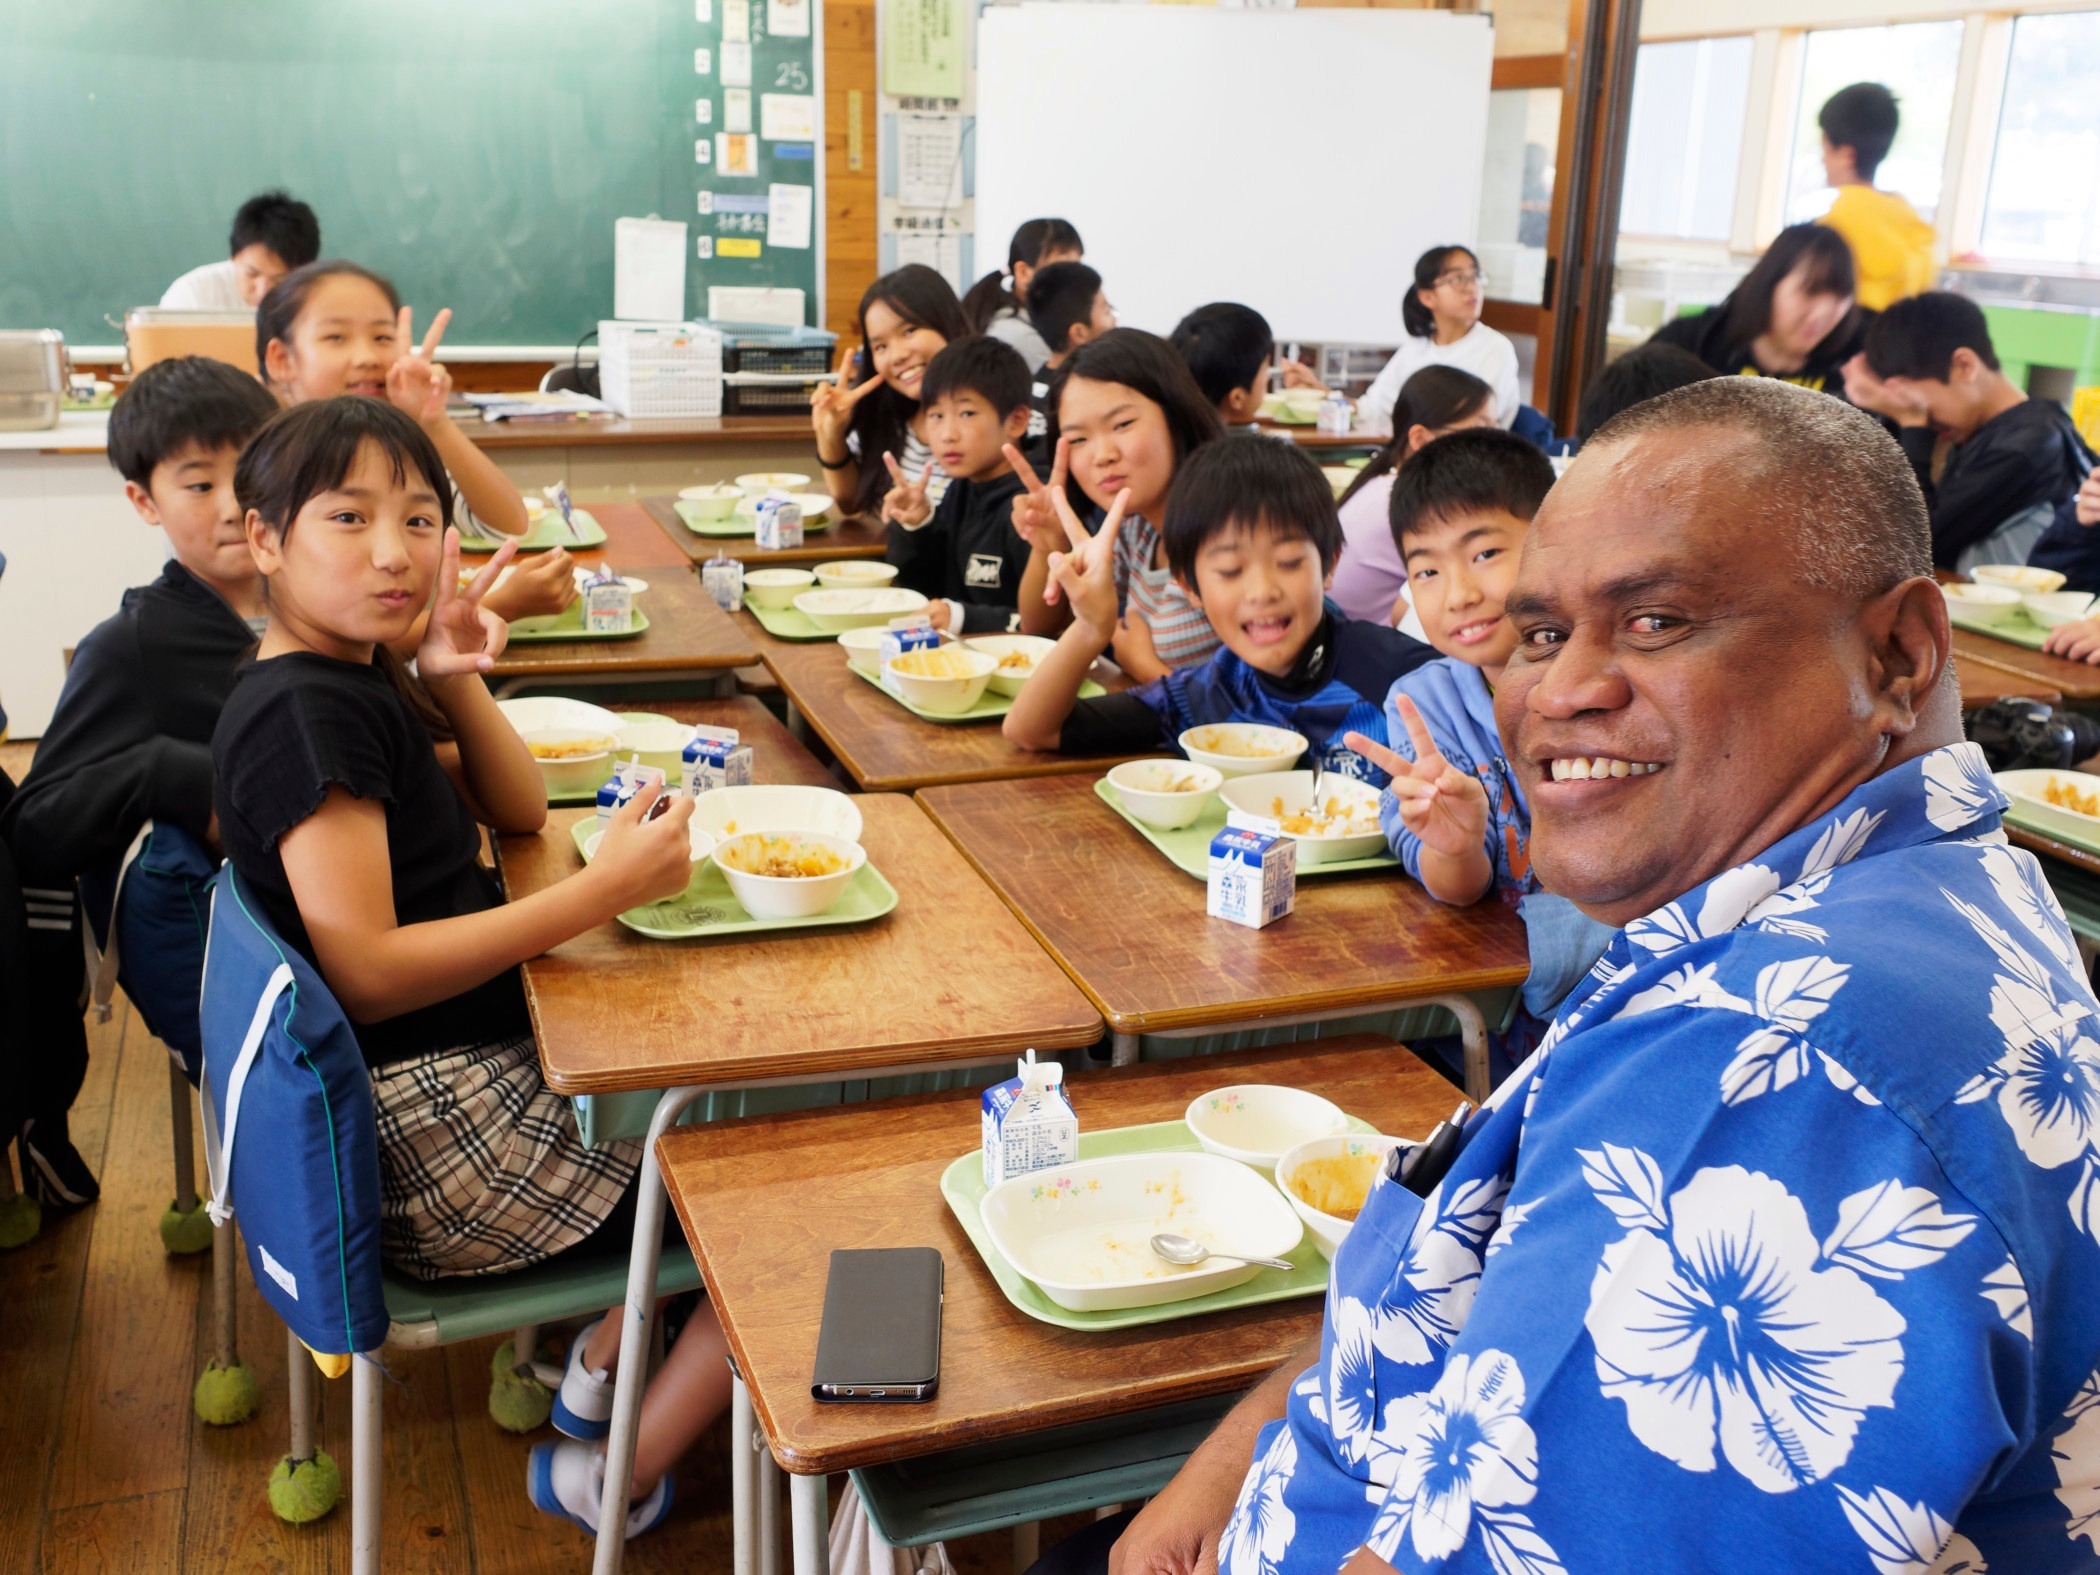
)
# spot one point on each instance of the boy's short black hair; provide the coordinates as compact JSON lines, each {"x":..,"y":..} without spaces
{"x":281,"y":222}
{"x":1226,"y":346}
{"x":1861,"y":117}
{"x":1641,"y":373}
{"x":172,"y":404}
{"x":978,"y":364}
{"x":1060,"y":296}
{"x":1478,"y":470}
{"x":1917,"y":337}
{"x":1221,"y":485}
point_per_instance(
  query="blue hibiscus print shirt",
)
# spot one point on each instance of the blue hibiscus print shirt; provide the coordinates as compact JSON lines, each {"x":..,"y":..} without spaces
{"x":1782,"y":1252}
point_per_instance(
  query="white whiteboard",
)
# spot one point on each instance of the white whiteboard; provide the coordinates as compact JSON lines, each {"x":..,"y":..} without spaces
{"x":1298,"y":161}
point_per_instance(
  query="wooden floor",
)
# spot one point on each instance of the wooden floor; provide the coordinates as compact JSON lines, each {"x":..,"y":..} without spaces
{"x":103,"y":1466}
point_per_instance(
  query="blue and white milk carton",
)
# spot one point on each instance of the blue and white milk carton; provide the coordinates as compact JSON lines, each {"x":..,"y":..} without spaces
{"x":779,"y":522}
{"x":1253,"y":877}
{"x":1028,"y":1122}
{"x":913,"y":633}
{"x":629,"y":778}
{"x":608,"y":604}
{"x":714,"y":758}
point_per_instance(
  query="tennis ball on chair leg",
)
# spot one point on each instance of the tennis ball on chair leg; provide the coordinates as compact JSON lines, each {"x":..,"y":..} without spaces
{"x":182,"y":1233}
{"x":305,"y":1490}
{"x":518,"y":1402}
{"x":225,"y":1396}
{"x":20,"y":1219}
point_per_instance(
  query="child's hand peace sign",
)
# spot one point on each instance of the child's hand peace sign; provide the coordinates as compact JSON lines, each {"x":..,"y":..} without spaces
{"x":415,"y":383}
{"x":463,"y":636}
{"x":906,"y":501}
{"x":1439,"y":803}
{"x":1035,"y":516}
{"x":1087,"y":574}
{"x":831,"y":404}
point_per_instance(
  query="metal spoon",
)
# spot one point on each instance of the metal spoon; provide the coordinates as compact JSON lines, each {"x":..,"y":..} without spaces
{"x":1180,"y":1250}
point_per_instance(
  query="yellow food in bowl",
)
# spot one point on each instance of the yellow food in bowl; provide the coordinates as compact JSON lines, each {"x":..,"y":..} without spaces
{"x":1168,"y":779}
{"x":2064,"y":796}
{"x":568,"y":748}
{"x":1239,"y":746}
{"x":781,"y":858}
{"x":1338,"y":1185}
{"x":1017,"y":662}
{"x":937,"y":662}
{"x":1334,"y":817}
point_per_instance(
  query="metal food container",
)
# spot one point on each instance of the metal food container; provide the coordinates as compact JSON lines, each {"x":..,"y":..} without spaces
{"x":32,"y":378}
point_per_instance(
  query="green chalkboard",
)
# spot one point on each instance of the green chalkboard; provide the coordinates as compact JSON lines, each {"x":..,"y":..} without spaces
{"x":475,"y":151}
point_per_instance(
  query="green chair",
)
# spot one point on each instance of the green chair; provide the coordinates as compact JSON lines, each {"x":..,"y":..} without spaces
{"x":2026,"y":337}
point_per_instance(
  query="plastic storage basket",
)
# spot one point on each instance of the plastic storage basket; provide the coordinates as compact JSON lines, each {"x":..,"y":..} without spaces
{"x":660,"y":369}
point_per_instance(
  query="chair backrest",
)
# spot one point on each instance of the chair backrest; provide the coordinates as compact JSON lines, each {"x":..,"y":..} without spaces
{"x":1532,"y":426}
{"x":289,"y":1130}
{"x":571,"y":378}
{"x":150,"y":914}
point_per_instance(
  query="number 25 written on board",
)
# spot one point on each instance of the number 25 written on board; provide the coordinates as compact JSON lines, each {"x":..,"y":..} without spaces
{"x":792,"y":75}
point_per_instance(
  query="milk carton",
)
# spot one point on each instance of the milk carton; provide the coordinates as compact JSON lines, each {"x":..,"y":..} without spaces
{"x":779,"y":523}
{"x":608,"y":605}
{"x":908,"y":634}
{"x":713,"y":759}
{"x":629,"y":778}
{"x":1028,"y":1122}
{"x":1253,"y":877}
{"x":724,"y":578}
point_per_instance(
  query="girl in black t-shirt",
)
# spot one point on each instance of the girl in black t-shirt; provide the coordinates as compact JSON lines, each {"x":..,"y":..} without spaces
{"x":358,"y":835}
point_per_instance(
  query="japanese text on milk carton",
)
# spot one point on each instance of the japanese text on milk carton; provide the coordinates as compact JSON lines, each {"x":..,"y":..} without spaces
{"x":715,"y":759}
{"x":629,"y":778}
{"x":1029,"y":1123}
{"x":1253,"y":877}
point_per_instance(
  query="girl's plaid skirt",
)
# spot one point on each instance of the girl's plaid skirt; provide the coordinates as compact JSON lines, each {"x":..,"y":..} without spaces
{"x":481,"y":1166}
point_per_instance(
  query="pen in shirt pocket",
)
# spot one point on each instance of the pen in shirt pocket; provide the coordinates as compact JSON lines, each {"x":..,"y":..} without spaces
{"x":1421,"y":1167}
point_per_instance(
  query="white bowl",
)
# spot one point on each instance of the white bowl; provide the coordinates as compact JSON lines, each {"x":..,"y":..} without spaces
{"x":758,"y":483}
{"x":717,"y":502}
{"x":534,"y":508}
{"x":2027,"y":788}
{"x":1082,"y":1232}
{"x":852,"y":572}
{"x":863,"y":647}
{"x":537,"y":711}
{"x":2053,"y":608}
{"x":2019,"y":576}
{"x":1007,"y":680}
{"x":730,"y":811}
{"x":1986,"y":599}
{"x":580,"y":772}
{"x":814,"y":505}
{"x":1255,"y":1122}
{"x":1328,"y":1230}
{"x":1269,"y":798}
{"x":788,"y":896}
{"x":660,"y":744}
{"x":837,"y":611}
{"x":698,"y":838}
{"x":1168,"y":809}
{"x":1279,"y":746}
{"x":776,"y":588}
{"x":945,"y":695}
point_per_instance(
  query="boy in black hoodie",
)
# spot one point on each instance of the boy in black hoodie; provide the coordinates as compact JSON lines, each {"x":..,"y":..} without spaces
{"x":131,"y":738}
{"x":965,"y":556}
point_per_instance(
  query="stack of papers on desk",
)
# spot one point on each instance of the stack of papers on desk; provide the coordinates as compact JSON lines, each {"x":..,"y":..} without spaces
{"x":566,"y":405}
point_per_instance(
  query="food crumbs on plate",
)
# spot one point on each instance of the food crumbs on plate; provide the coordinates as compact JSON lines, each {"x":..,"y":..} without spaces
{"x":1238,"y":745}
{"x":1168,"y":779}
{"x":782,"y":858}
{"x":2064,"y":796}
{"x":1017,"y":662}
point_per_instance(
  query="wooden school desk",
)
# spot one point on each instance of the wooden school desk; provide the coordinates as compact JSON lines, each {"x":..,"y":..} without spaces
{"x":2078,"y":682}
{"x":689,"y":636}
{"x":852,"y":537}
{"x":632,"y":540}
{"x":885,"y":748}
{"x":949,"y":979}
{"x":1982,"y":683}
{"x":743,"y":1191}
{"x":1131,"y":929}
{"x":617,"y":459}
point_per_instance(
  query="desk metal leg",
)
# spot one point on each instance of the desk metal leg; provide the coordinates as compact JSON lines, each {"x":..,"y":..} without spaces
{"x":640,"y":1310}
{"x":1123,"y":1050}
{"x":366,"y":1445}
{"x":768,"y":1492}
{"x":812,"y":1517}
{"x":797,"y":723}
{"x":1472,"y":1029}
{"x":742,"y":1442}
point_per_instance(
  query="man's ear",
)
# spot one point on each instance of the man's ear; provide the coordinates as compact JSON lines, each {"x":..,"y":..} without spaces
{"x":142,"y":500}
{"x":1911,"y":646}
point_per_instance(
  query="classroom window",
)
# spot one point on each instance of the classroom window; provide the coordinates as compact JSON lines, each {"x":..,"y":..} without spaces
{"x":2044,"y":200}
{"x":1516,"y":191}
{"x":1684,"y":142}
{"x":1917,"y":61}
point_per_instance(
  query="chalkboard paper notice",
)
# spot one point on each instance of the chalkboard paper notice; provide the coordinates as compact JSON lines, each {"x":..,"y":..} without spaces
{"x":924,"y":46}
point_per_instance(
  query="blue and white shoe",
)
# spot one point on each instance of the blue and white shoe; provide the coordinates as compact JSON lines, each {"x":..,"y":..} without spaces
{"x":568,"y":1480}
{"x":583,"y":1404}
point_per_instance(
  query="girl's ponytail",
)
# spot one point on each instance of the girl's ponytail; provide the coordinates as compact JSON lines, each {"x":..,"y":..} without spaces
{"x":1417,"y":319}
{"x":1437,"y":397}
{"x":1032,"y":242}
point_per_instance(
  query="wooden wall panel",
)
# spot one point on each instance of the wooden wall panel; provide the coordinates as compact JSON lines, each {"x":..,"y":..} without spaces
{"x":849,"y":194}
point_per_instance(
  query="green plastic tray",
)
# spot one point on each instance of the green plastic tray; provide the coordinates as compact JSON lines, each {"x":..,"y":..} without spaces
{"x":707,"y":908}
{"x":590,"y":795}
{"x":568,"y":625}
{"x":2017,"y":815}
{"x":962,"y":1184}
{"x":989,"y":707}
{"x":1188,"y":849}
{"x":733,"y":526}
{"x":789,"y":623}
{"x":2012,"y":625}
{"x":549,"y":532}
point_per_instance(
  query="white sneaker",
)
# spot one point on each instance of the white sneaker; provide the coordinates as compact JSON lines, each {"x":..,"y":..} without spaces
{"x":569,"y":1480}
{"x":583,"y":1405}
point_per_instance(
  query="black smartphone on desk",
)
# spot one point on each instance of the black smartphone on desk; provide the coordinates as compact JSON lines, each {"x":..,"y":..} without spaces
{"x":880,"y":1341}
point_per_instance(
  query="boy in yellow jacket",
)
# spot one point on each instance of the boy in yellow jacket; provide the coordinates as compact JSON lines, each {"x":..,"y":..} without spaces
{"x":1891,"y":245}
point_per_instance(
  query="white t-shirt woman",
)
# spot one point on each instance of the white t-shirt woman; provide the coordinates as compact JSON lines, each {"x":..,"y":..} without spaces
{"x":1442,"y":318}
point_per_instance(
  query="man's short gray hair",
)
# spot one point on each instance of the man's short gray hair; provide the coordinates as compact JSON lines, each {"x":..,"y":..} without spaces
{"x":1827,"y":476}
